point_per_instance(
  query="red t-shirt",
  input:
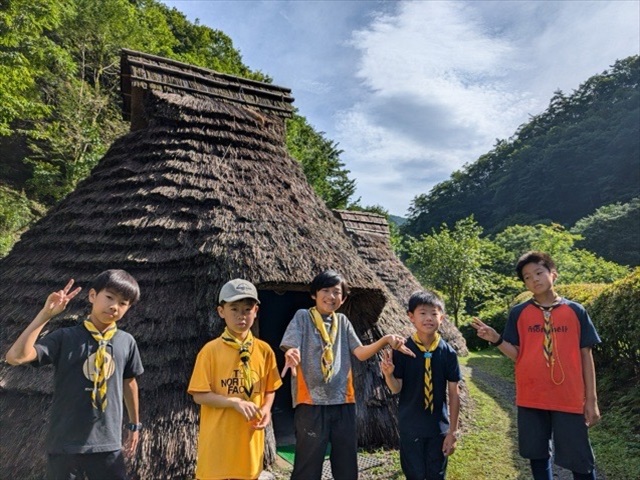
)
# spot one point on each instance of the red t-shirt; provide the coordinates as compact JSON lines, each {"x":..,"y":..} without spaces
{"x":560,"y":387}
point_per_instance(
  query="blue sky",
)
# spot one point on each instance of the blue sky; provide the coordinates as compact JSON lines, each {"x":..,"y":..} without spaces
{"x":413,"y":90}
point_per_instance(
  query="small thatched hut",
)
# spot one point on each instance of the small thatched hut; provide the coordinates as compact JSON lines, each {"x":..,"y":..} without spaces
{"x":370,"y":234}
{"x":201,"y":191}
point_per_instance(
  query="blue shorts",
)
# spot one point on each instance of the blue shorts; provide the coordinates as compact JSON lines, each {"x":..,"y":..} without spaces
{"x":568,"y":431}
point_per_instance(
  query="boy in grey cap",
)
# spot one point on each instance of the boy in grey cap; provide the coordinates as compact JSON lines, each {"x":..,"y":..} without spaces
{"x":234,"y":381}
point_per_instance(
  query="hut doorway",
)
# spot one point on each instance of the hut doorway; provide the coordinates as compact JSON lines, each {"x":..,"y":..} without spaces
{"x":276,"y":311}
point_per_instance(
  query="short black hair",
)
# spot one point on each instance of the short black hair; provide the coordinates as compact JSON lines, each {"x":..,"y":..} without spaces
{"x":119,"y":282}
{"x":326,"y":279}
{"x":425,"y":297}
{"x":534,"y":256}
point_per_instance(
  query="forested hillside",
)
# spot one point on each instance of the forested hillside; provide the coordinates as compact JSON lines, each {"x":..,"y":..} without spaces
{"x":60,"y":104}
{"x":580,"y":154}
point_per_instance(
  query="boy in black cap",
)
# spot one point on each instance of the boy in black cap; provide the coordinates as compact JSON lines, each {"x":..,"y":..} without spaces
{"x":234,"y":381}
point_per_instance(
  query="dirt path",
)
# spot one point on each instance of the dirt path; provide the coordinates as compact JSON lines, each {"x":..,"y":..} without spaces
{"x":507,"y":392}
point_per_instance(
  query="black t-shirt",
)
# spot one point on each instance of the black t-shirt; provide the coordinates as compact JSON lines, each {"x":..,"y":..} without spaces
{"x":75,"y":426}
{"x":413,"y":419}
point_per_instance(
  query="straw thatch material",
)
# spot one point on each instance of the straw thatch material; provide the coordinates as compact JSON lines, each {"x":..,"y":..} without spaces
{"x":370,"y":234}
{"x":141,"y":72}
{"x":204,"y":193}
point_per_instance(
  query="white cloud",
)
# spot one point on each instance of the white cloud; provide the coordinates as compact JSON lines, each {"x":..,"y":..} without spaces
{"x":442,"y":81}
{"x":412,"y":90}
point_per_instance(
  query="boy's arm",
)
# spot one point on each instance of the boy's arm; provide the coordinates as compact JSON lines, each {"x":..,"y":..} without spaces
{"x":591,"y":410}
{"x":487,"y":333}
{"x":364,"y":352}
{"x":387,"y":367}
{"x":248,"y":410}
{"x":449,"y":444}
{"x":23,"y":350}
{"x":130,"y":394}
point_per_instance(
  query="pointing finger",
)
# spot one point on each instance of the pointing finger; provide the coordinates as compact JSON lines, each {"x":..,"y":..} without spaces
{"x":406,"y":351}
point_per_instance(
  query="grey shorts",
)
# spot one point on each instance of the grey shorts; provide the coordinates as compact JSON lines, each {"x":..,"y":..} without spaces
{"x":539,"y":429}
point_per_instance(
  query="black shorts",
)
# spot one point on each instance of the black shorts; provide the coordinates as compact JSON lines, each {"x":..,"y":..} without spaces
{"x":92,"y":466}
{"x":318,"y":425}
{"x":568,"y":431}
{"x":422,"y":458}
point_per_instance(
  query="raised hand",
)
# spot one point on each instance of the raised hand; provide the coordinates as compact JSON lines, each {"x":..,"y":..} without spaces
{"x":386,"y":364}
{"x":484,"y":331}
{"x":291,"y":361}
{"x":57,"y":301}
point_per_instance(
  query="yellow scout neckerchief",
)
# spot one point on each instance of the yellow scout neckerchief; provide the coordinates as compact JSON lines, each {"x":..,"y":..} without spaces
{"x":99,"y":392}
{"x":549,"y":339}
{"x":329,"y":339}
{"x":244,"y":348}
{"x":428,"y":381}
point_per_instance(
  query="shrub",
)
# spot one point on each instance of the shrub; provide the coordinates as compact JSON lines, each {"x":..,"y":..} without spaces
{"x":616,"y":314}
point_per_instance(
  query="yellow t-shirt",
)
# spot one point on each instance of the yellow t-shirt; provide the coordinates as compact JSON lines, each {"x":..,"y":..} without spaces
{"x":227,"y":445}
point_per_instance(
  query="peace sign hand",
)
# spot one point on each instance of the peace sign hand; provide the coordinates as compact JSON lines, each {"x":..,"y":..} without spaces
{"x":57,"y":301}
{"x":386,"y":364}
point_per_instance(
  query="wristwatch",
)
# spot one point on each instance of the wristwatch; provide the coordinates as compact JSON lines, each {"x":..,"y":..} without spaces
{"x":456,"y":434}
{"x":134,"y":427}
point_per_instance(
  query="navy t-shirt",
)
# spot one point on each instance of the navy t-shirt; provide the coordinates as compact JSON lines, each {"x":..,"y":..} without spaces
{"x":414,"y":421}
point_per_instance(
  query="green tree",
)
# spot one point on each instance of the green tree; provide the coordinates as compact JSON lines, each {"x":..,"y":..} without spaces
{"x":320,"y":160}
{"x":17,"y":213}
{"x":574,"y":265}
{"x":456,"y":262}
{"x":27,"y":54}
{"x":597,"y":231}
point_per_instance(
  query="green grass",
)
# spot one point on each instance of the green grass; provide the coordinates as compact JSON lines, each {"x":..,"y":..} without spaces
{"x":489,"y":448}
{"x":615,"y":443}
{"x":616,"y":447}
{"x":491,"y":361}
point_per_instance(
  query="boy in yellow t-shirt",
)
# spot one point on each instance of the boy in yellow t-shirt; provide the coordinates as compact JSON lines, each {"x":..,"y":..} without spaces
{"x":234,"y":381}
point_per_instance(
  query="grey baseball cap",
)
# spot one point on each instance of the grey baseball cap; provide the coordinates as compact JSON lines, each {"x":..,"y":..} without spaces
{"x":237,"y":289}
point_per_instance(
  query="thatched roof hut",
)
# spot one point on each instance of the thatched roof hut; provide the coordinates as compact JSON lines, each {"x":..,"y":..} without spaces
{"x":201,"y":191}
{"x":370,"y":234}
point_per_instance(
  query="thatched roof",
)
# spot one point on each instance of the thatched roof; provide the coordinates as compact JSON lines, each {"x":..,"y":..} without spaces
{"x":370,"y":234}
{"x":149,"y":72}
{"x":204,"y":193}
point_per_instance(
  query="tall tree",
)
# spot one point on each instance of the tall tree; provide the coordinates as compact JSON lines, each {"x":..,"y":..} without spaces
{"x":457,"y":262}
{"x":575,"y":265}
{"x":320,"y":159}
{"x":27,"y":54}
{"x":619,"y":221}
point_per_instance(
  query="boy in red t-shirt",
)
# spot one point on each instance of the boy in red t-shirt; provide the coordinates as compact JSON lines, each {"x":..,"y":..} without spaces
{"x":550,"y":338}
